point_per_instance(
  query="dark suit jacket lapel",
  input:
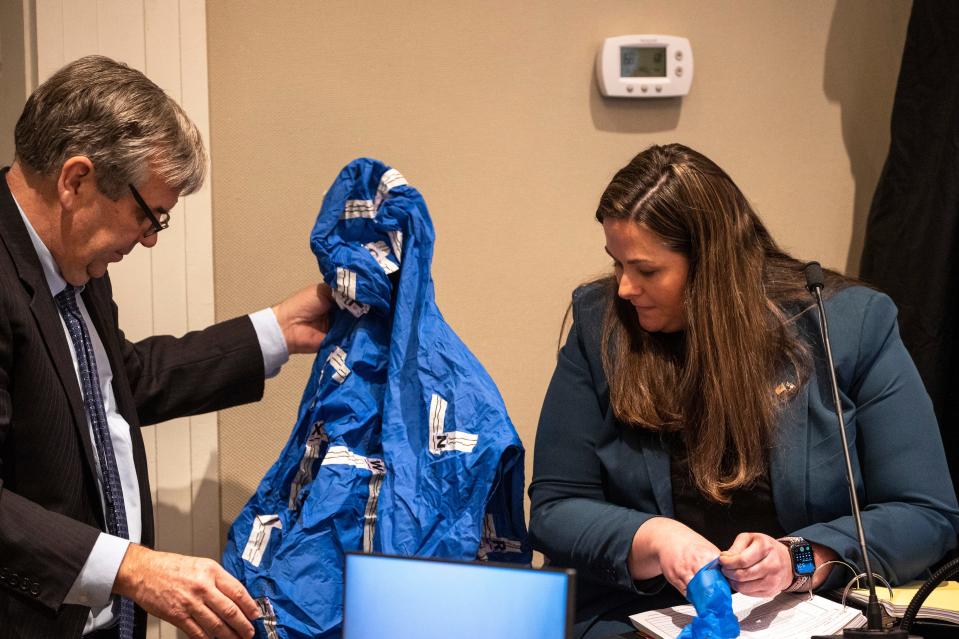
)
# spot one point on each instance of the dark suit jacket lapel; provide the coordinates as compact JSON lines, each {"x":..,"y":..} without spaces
{"x":16,"y":238}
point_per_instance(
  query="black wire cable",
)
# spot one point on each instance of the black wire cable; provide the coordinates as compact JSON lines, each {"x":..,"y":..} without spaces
{"x":945,"y":572}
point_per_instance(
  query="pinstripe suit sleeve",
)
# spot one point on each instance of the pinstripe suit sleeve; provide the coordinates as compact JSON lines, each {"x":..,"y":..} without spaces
{"x":202,"y":371}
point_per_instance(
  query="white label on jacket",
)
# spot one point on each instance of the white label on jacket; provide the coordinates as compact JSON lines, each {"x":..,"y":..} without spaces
{"x":263,"y":526}
{"x":490,"y":542}
{"x":390,"y":180}
{"x":268,"y":617}
{"x":358,"y":208}
{"x":343,"y":456}
{"x":442,"y":441}
{"x":315,"y":443}
{"x":345,"y":292}
{"x":396,"y":242}
{"x":346,"y":282}
{"x":337,"y":360}
{"x":379,"y":251}
{"x":369,"y":515}
{"x":356,"y":309}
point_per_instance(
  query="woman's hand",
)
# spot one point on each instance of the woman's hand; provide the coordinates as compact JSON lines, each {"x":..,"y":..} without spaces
{"x":665,"y":546}
{"x":757,"y":565}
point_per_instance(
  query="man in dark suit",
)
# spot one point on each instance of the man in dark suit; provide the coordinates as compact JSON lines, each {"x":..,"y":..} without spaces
{"x":102,"y":155}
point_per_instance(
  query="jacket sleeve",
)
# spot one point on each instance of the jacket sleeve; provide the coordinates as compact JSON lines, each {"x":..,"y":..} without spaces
{"x":910,"y":517}
{"x":202,"y":371}
{"x":571,"y":522}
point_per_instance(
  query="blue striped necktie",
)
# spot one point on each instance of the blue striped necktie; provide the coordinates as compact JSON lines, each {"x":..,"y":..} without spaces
{"x":116,"y":515}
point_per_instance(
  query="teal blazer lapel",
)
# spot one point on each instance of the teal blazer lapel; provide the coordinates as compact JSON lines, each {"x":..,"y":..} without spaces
{"x":789,"y":462}
{"x":657,"y":465}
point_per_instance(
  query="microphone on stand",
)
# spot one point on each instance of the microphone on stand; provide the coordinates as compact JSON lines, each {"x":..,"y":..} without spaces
{"x":814,"y":282}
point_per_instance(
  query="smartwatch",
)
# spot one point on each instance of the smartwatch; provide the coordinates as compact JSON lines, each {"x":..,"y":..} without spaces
{"x":803,"y":564}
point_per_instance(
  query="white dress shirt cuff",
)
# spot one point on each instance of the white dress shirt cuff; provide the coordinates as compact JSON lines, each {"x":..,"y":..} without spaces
{"x":95,"y":582}
{"x":272,"y":343}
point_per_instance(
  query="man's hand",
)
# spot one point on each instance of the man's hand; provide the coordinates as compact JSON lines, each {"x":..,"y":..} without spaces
{"x":757,"y":565}
{"x":195,"y":595}
{"x":303,"y":318}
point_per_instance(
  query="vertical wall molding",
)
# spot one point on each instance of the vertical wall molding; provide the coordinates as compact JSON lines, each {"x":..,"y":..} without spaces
{"x":167,"y":289}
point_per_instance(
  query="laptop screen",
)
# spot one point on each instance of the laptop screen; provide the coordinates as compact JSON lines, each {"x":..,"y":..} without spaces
{"x":407,"y":598}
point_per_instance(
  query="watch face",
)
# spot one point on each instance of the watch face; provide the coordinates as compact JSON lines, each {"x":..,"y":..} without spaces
{"x":803,"y":564}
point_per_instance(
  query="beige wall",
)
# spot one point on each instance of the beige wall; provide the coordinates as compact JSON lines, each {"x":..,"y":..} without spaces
{"x":491,"y":110}
{"x":13,"y":75}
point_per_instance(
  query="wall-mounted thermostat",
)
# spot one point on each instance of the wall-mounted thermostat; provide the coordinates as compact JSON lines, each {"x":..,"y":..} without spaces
{"x":645,"y":66}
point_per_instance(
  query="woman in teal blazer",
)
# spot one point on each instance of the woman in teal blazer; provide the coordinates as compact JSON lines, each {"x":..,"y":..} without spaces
{"x":690,"y":414}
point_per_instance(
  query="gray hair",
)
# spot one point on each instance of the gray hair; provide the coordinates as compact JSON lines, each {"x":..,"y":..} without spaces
{"x":118,"y":118}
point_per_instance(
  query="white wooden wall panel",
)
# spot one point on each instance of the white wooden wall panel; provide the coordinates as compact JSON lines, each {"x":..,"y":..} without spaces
{"x":168,"y":289}
{"x":49,"y":37}
{"x":205,"y":463}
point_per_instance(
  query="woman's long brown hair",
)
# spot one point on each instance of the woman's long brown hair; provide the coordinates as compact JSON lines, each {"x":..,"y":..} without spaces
{"x":720,"y":389}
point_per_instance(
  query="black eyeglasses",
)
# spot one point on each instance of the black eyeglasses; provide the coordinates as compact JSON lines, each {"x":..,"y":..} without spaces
{"x":157,"y":224}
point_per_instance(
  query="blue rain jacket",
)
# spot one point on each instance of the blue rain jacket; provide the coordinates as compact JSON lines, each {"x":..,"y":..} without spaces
{"x":712,"y":598}
{"x":402,"y":444}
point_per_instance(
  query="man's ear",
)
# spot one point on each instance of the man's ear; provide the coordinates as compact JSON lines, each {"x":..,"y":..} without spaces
{"x":77,"y":183}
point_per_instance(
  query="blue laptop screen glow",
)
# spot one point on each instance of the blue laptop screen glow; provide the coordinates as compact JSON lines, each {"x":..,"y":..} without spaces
{"x":422,"y":599}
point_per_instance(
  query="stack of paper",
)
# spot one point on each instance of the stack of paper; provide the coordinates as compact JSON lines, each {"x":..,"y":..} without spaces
{"x":786,"y":616}
{"x":942,"y":603}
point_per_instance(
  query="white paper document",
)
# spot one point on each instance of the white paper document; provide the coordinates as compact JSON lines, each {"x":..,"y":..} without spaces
{"x":786,"y":616}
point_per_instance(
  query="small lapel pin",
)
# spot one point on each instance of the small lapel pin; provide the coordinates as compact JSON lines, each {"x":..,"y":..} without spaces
{"x":785,"y":387}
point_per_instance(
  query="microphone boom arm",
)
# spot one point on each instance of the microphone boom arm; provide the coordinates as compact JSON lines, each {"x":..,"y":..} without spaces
{"x":874,"y":627}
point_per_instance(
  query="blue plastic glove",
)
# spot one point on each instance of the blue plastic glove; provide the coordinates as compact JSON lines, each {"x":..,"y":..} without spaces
{"x":710,"y":595}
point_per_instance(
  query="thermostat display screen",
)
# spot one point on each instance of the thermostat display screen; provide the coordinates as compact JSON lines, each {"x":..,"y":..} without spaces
{"x":642,"y":62}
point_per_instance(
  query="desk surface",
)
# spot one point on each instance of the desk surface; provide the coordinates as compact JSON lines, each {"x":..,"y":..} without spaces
{"x":926,"y":630}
